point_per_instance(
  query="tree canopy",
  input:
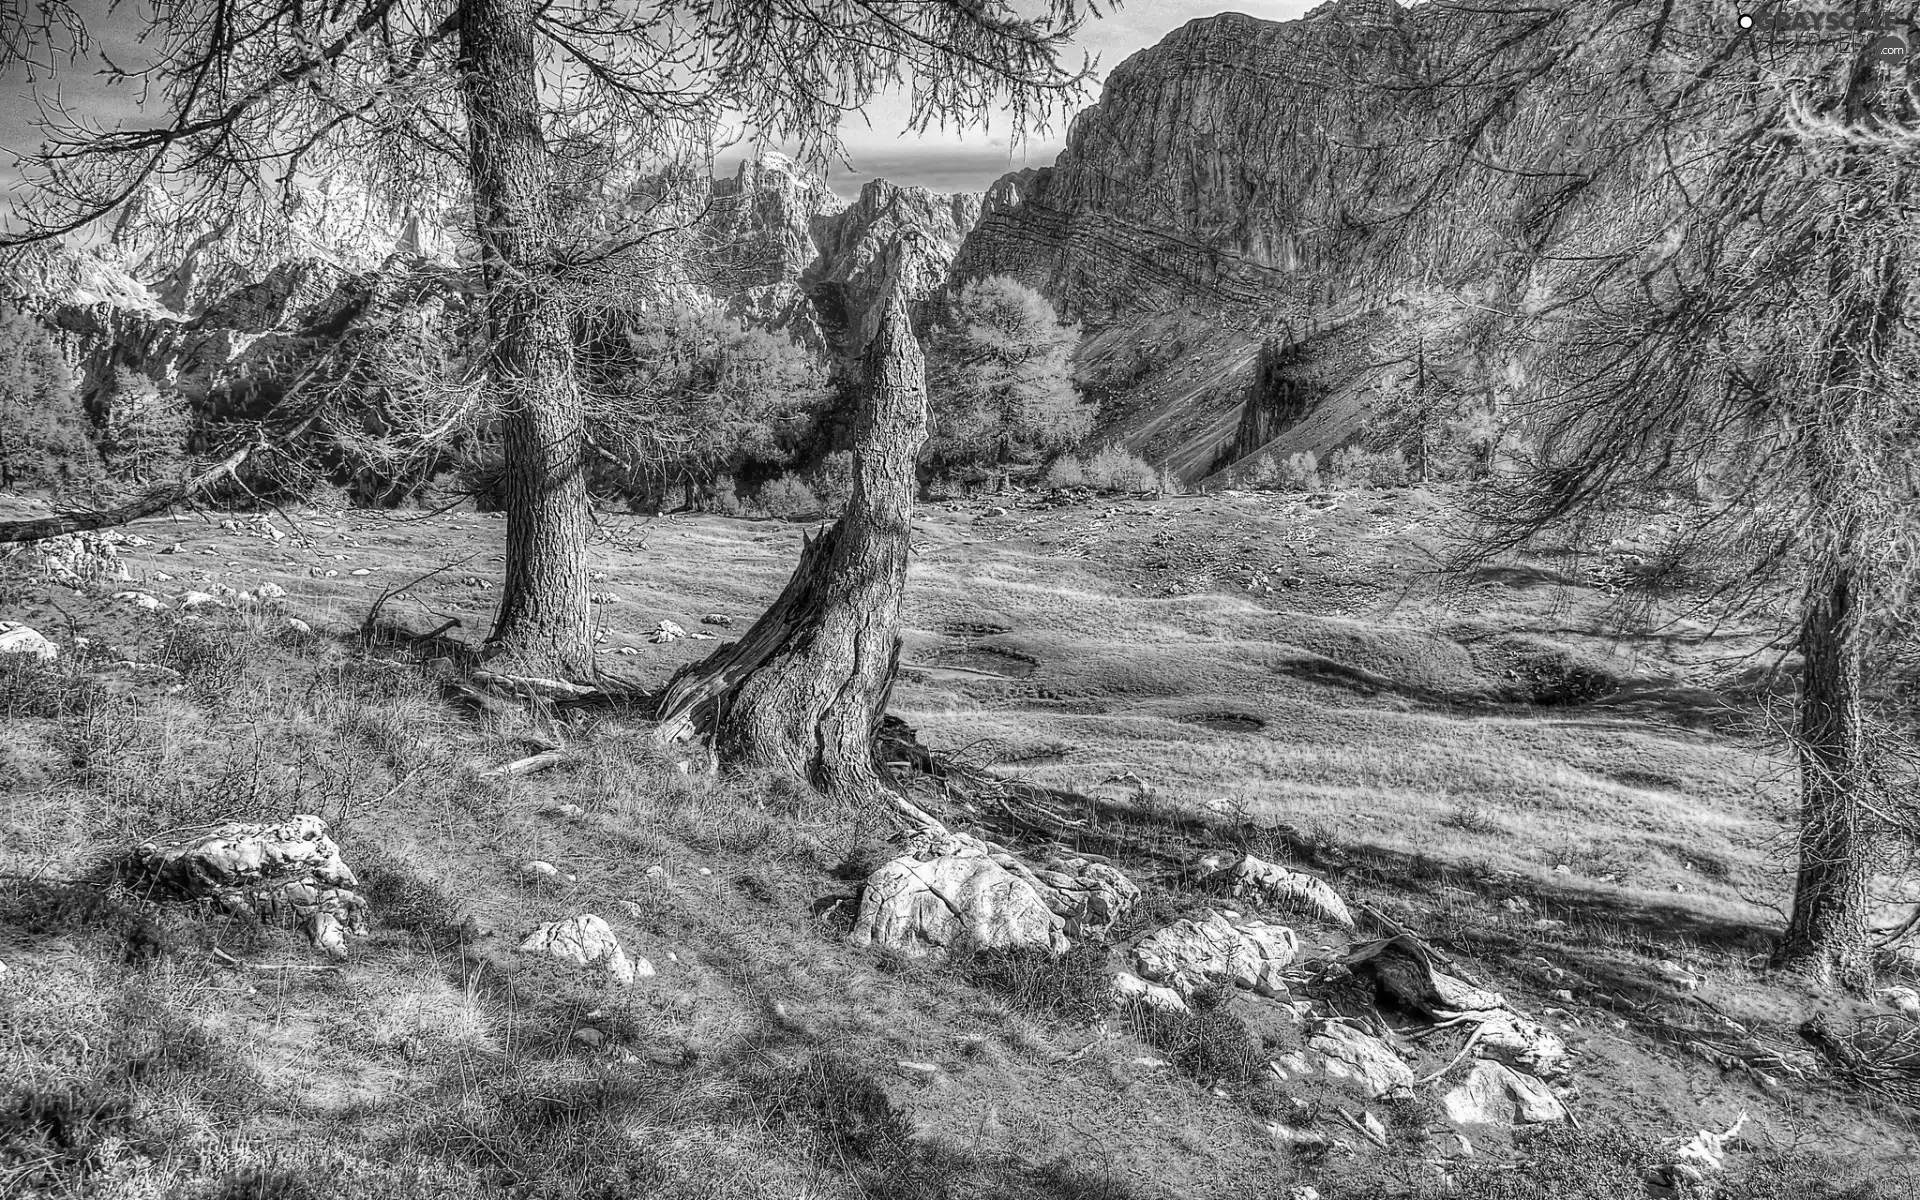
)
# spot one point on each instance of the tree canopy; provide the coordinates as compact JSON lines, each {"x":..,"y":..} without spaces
{"x":998,"y":373}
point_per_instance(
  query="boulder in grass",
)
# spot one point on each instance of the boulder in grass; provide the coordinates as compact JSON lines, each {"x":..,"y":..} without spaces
{"x":948,"y":892}
{"x":1496,"y":1094}
{"x":1129,"y":988}
{"x":1342,"y":1052}
{"x":289,"y":872}
{"x":1282,"y":887}
{"x":18,"y":639}
{"x":1191,"y":954}
{"x":588,"y":941}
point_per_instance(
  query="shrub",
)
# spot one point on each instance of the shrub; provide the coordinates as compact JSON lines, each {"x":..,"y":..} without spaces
{"x":789,"y":498}
{"x":31,"y":688}
{"x":1076,"y":986}
{"x":1208,"y":1043}
{"x":1116,"y":469}
{"x":1300,"y":473}
{"x":1264,"y":472}
{"x":832,"y":479}
{"x":1065,"y":472}
{"x":1358,"y":467}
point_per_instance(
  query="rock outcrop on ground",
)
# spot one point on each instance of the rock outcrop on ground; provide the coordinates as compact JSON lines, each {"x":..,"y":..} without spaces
{"x":288,"y":872}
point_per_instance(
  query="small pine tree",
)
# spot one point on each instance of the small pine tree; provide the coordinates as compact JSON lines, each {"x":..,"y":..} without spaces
{"x":1265,"y":471}
{"x":146,"y":430}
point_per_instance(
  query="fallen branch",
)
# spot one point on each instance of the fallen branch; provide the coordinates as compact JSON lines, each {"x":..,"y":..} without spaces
{"x":529,"y":765}
{"x":157,"y":500}
{"x":530,"y":683}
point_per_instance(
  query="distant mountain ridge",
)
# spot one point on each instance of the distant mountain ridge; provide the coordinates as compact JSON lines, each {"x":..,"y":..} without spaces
{"x":771,"y":245}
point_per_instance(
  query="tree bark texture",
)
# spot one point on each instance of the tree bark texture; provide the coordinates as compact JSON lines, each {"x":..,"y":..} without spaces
{"x":805,"y":687}
{"x":544,"y":614}
{"x":1840,"y":835}
{"x":1827,"y":933}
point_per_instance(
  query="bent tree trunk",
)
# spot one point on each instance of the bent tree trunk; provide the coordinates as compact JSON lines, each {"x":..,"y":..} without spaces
{"x":804,"y":688}
{"x":544,"y":613}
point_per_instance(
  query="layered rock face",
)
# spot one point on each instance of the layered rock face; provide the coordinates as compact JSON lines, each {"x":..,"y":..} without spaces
{"x":1225,"y":167}
{"x":1254,"y":230}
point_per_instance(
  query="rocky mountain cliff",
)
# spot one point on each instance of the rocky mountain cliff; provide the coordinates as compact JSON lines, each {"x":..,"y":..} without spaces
{"x":1242,"y":184}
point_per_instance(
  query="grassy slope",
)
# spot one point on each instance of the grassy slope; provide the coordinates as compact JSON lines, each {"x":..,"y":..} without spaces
{"x":1259,"y":663}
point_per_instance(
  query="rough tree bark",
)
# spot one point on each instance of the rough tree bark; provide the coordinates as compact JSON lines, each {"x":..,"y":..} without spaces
{"x":804,"y":688}
{"x":1839,"y":839}
{"x":544,"y":613}
{"x":1827,"y":933}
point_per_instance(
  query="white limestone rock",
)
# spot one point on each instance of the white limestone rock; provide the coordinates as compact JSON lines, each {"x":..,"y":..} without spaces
{"x":291,"y":871}
{"x":588,"y":941}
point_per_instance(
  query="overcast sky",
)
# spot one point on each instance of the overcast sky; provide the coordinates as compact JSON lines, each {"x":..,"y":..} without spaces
{"x":878,"y":146}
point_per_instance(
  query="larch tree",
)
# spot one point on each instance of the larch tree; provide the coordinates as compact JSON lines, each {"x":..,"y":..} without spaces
{"x":1705,"y":314}
{"x":998,"y":373}
{"x":506,"y":106}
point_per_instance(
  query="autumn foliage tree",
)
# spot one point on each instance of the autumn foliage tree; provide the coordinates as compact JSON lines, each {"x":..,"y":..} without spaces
{"x":999,"y":377}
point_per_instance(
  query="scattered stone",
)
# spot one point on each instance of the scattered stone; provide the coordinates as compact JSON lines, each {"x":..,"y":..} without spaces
{"x":1900,"y":999}
{"x":1130,"y":988}
{"x":199,"y":600}
{"x":1348,"y":1053}
{"x":588,"y":941}
{"x":19,"y":639}
{"x":1465,"y":1147}
{"x":176,"y":548}
{"x":139,"y":600}
{"x":1305,"y":1191}
{"x":1702,"y":1155}
{"x":287,"y":871}
{"x":1298,"y":891}
{"x":360,"y":571}
{"x":1190,"y":954}
{"x":1678,"y":975}
{"x":995,"y":511}
{"x":1292,"y":1065}
{"x":1374,"y":1128}
{"x":604,"y":598}
{"x":589,"y":1036}
{"x":1303,"y":1139}
{"x":1563,"y":869}
{"x":667,"y":632}
{"x":1516,"y":904}
{"x":563,"y":808}
{"x":946,"y":889}
{"x":270,"y":592}
{"x":717,"y":619}
{"x":1088,"y":896}
{"x":656,"y":872}
{"x":1495,"y":1094}
{"x":921,"y":1071}
{"x":538,"y":869}
{"x":1404,"y":973}
{"x":298,"y":626}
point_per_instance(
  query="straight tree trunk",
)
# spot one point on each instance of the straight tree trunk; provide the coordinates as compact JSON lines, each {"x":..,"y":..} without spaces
{"x":544,"y":614}
{"x":804,"y":688}
{"x":1827,"y":933}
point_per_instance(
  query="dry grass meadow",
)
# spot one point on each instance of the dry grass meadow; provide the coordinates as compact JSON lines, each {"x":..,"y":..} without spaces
{"x":1575,"y":811}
